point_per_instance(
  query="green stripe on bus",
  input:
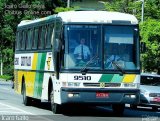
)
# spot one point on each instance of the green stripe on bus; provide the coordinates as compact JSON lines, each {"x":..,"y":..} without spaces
{"x":117,"y":78}
{"x":106,"y":77}
{"x":43,"y":59}
{"x":40,"y":82}
{"x":39,"y":75}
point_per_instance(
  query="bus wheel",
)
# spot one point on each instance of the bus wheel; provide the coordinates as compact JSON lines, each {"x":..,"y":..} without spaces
{"x":154,"y":108}
{"x":118,"y":109}
{"x":54,"y":106}
{"x":26,"y":99}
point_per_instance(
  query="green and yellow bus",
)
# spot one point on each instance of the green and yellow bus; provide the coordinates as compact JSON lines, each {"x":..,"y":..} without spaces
{"x":46,"y":66}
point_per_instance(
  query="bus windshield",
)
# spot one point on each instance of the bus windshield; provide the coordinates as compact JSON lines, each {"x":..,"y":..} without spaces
{"x":82,"y":43}
{"x":120,"y":47}
{"x":100,"y":47}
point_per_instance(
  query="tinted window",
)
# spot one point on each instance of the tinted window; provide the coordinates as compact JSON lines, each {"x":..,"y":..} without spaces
{"x":28,"y":39}
{"x":88,"y":37}
{"x":40,"y":44}
{"x":17,"y":40}
{"x":49,"y":35}
{"x":150,"y":80}
{"x":24,"y":37}
{"x":43,"y":35}
{"x":120,"y":47}
{"x":35,"y":39}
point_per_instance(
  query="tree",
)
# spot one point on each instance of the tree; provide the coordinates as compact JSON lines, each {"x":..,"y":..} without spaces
{"x":151,"y":7}
{"x":119,"y":5}
{"x":150,"y":33}
{"x":12,"y":12}
{"x":149,"y":30}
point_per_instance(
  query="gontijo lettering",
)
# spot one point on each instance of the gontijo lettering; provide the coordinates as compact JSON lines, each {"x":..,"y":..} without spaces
{"x":26,"y":61}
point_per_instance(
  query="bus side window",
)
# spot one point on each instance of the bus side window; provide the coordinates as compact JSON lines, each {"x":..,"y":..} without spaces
{"x":23,"y":40}
{"x":35,"y":39}
{"x":17,"y":40}
{"x":40,"y":41}
{"x":28,"y":39}
{"x":49,"y":35}
{"x":20,"y":39}
{"x":44,"y":35}
{"x":31,"y":37}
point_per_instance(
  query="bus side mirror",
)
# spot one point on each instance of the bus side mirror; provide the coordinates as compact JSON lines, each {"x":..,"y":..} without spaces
{"x":57,"y":63}
{"x":143,"y":47}
{"x":57,"y":57}
{"x":57,"y":45}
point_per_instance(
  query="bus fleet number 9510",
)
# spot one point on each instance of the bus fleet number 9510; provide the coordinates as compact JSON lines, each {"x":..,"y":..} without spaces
{"x":82,"y":77}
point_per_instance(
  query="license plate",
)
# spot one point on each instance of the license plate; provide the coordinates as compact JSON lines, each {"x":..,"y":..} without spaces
{"x":157,"y":99}
{"x":102,"y":95}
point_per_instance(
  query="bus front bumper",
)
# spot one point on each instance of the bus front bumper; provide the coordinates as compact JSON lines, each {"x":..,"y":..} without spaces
{"x":100,"y":95}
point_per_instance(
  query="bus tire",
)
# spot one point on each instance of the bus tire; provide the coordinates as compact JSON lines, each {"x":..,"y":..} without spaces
{"x":118,"y":109}
{"x":26,"y":99}
{"x":56,"y":108}
{"x":154,"y":108}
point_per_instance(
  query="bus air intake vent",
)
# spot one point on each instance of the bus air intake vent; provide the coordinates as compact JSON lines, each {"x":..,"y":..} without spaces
{"x":99,"y":84}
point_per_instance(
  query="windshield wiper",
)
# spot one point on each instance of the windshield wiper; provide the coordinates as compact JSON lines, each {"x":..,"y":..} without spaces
{"x":84,"y":69}
{"x":118,"y":67}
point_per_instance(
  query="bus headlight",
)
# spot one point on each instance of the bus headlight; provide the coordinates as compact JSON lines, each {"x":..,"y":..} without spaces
{"x":70,"y":84}
{"x":73,"y":84}
{"x":130,"y":85}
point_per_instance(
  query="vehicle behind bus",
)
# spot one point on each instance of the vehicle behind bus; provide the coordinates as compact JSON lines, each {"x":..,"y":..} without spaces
{"x":150,"y":91}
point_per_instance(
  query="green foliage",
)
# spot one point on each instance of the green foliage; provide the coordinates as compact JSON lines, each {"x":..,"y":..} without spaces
{"x":152,"y":9}
{"x":6,"y":77}
{"x":8,"y":56}
{"x":119,"y":5}
{"x":150,"y":29}
{"x":150,"y":33}
{"x":12,"y":13}
{"x":62,"y":9}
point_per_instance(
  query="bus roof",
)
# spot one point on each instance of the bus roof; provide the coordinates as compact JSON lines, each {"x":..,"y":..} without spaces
{"x":87,"y":17}
{"x":28,"y":22}
{"x":96,"y":17}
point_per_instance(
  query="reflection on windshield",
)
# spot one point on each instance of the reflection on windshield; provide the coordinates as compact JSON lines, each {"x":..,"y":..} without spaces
{"x":83,"y":44}
{"x":119,"y":48}
{"x":115,"y":47}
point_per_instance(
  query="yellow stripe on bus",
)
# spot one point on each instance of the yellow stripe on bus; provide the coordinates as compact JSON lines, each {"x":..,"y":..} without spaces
{"x":31,"y":76}
{"x":19,"y":81}
{"x":129,"y":78}
{"x":30,"y":79}
{"x":35,"y":58}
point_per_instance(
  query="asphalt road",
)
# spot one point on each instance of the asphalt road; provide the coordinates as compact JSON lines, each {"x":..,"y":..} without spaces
{"x":12,"y":109}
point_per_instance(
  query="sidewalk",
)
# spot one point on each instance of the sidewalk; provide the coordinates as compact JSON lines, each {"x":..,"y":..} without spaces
{"x":4,"y":82}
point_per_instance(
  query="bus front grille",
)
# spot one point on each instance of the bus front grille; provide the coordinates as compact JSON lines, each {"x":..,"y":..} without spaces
{"x":102,"y":84}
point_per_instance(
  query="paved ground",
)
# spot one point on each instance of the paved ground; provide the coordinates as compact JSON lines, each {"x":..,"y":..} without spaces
{"x":11,"y":108}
